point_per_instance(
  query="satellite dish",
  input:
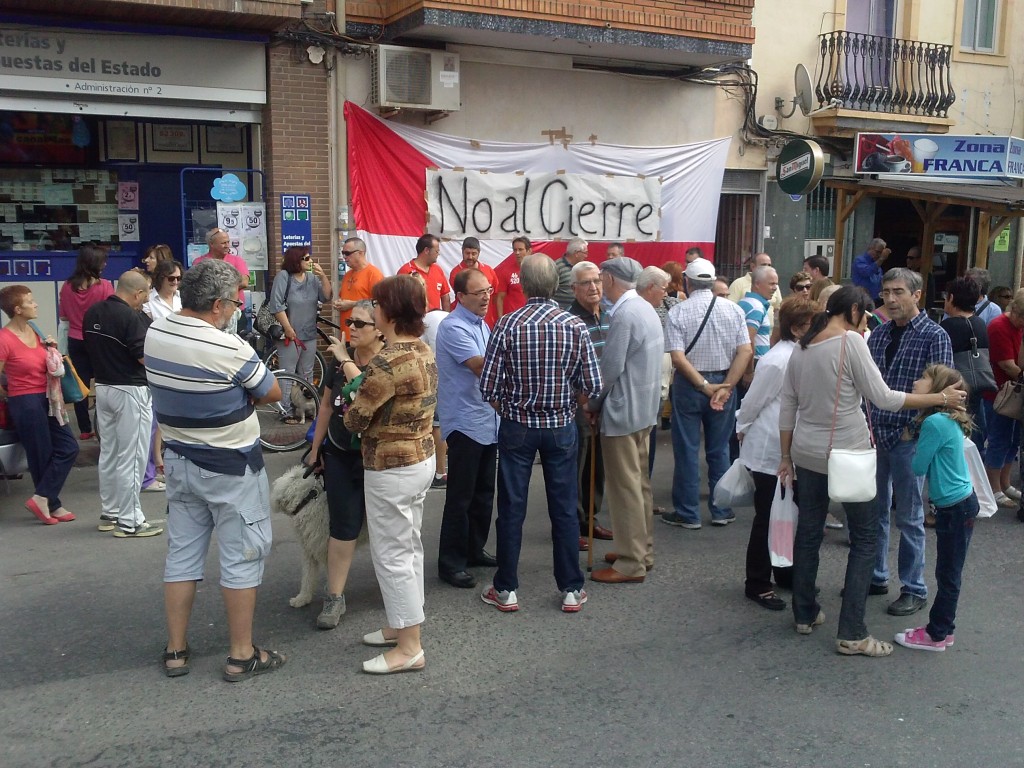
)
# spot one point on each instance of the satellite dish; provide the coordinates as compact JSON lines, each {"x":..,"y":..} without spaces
{"x":804,"y":93}
{"x":802,"y":88}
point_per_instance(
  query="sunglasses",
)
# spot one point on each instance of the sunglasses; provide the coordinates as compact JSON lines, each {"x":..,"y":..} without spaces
{"x":307,"y":258}
{"x":174,"y":279}
{"x":358,"y":324}
{"x":349,"y":253}
{"x":803,"y":287}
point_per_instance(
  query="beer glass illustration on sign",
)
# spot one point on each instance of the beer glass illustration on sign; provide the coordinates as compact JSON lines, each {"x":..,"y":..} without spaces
{"x":924,"y":149}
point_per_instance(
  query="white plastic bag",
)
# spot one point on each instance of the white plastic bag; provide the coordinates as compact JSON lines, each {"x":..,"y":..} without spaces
{"x":979,"y":479}
{"x":735,"y":488}
{"x":782,"y":527}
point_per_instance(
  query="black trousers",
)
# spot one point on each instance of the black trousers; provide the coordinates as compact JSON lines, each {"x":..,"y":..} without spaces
{"x":468,"y":502}
{"x":759,"y":561}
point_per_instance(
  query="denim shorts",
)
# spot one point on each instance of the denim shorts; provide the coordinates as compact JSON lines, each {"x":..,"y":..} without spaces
{"x":238,"y":508}
{"x":1003,"y":438}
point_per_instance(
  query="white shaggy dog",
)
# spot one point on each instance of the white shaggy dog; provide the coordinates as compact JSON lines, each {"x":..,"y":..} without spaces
{"x":300,"y":494}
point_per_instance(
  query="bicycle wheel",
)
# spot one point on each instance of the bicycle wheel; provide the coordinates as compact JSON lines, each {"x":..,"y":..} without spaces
{"x":302,"y":401}
{"x":274,"y":363}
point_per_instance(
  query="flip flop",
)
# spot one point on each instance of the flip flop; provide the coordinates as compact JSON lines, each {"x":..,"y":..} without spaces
{"x":32,"y":507}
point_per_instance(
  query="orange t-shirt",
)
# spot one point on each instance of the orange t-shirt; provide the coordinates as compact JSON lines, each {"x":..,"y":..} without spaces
{"x":357,"y":285}
{"x":434,"y":280}
{"x":492,"y":309}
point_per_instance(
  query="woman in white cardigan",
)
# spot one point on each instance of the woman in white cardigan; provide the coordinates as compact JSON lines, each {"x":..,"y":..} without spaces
{"x":832,"y":357}
{"x":757,"y":426}
{"x":163,"y":296}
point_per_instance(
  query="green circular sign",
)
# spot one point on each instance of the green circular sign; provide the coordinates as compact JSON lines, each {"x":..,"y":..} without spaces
{"x":799,"y":167}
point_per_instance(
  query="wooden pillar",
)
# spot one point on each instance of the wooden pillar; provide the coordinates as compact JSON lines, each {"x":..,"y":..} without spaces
{"x":837,"y":253}
{"x":982,"y":240}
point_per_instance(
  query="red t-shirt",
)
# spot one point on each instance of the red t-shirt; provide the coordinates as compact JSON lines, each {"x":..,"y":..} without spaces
{"x":508,"y":284}
{"x":24,"y":366}
{"x":73,"y":304}
{"x":434,"y":279}
{"x":492,"y":309}
{"x":1003,"y":344}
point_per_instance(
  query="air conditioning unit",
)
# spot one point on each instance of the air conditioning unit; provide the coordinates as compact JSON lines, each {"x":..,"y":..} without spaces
{"x":826,"y":248}
{"x":415,"y":78}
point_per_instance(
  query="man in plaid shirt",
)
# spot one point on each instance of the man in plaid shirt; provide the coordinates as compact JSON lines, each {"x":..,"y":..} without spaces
{"x":538,"y":365}
{"x":902,"y":348}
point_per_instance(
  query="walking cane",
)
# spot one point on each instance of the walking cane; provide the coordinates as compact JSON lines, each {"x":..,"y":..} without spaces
{"x":590,"y":504}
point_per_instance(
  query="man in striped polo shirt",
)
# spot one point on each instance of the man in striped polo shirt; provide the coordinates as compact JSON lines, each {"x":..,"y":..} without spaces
{"x":206,"y":382}
{"x":757,"y":312}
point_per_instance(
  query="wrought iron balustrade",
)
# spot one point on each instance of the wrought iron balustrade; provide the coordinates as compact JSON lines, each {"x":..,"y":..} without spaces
{"x":884,"y":74}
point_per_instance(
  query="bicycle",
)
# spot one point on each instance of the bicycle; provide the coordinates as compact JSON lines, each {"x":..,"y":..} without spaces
{"x":275,"y":433}
{"x":319,"y":363}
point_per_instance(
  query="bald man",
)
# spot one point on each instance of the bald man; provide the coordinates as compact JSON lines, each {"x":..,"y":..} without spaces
{"x":115,"y":334}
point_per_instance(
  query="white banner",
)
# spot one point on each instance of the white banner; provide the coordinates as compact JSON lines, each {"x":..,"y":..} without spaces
{"x":545,"y":206}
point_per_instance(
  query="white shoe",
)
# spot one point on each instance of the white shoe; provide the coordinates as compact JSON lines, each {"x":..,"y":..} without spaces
{"x":1003,"y":500}
{"x":378,"y":665}
{"x":377,"y":640}
{"x":572,"y":601}
{"x":155,"y":487}
{"x":1012,"y":492}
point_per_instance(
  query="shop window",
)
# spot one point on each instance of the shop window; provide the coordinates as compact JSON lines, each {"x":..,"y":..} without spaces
{"x":980,"y":25}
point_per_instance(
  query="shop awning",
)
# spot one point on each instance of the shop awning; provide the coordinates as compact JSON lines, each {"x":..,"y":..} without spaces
{"x":997,"y":204}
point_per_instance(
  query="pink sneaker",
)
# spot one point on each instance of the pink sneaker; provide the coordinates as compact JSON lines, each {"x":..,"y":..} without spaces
{"x":920,"y":640}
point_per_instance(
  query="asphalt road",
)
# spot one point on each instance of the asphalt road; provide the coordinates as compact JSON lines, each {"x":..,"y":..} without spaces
{"x":678,"y":671}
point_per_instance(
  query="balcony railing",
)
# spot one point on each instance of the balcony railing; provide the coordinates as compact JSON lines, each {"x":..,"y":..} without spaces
{"x":884,"y":74}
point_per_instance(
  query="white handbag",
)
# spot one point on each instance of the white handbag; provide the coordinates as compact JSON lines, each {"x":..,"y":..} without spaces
{"x":851,"y":472}
{"x":979,"y":479}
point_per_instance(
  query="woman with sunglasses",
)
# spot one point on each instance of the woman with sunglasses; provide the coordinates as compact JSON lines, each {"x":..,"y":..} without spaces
{"x":299,"y":288}
{"x":163,"y":296}
{"x":336,"y":453}
{"x":800,"y":285}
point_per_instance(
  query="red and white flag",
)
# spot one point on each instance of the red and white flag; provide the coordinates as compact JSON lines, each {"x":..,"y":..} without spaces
{"x":665,"y":198}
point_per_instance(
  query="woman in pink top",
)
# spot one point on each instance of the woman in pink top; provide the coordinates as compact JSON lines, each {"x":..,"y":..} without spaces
{"x":49,"y":446}
{"x":84,"y":288}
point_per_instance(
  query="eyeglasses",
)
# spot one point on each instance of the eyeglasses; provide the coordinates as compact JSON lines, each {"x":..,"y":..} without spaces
{"x":482,"y":292}
{"x":174,"y":279}
{"x":236,"y":302}
{"x":349,"y":253}
{"x":358,"y":324}
{"x":595,"y":281}
{"x":802,"y":287}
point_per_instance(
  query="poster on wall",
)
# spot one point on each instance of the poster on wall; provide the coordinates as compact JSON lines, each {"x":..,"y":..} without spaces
{"x":935,"y":155}
{"x":296,"y":225}
{"x":246,"y":225}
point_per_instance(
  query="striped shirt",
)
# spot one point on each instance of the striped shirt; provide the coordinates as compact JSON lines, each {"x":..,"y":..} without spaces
{"x":203,"y":382}
{"x":757,"y":316}
{"x":538,"y":359}
{"x":725,"y":332}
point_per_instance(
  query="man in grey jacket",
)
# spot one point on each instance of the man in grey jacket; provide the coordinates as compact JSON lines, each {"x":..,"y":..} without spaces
{"x":628,"y":407}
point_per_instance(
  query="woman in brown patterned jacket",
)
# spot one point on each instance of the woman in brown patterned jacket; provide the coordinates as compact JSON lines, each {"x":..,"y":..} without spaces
{"x":393,"y":411}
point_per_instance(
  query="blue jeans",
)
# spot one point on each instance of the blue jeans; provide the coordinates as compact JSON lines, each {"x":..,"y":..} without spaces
{"x":1003,"y":438}
{"x":861,"y":522}
{"x":954,"y":526}
{"x":895,"y":480}
{"x":517,"y":446}
{"x":690,"y":411}
{"x":49,"y":447}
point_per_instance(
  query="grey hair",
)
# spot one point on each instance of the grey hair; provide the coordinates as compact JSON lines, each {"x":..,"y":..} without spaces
{"x":875,"y":243}
{"x":652,"y":276}
{"x":207,"y":282}
{"x":357,"y":242}
{"x":760,"y":274}
{"x":909,"y":278}
{"x":699,"y":285}
{"x":981,"y":276}
{"x":364,"y":304}
{"x":575,"y":245}
{"x":582,"y":267}
{"x":538,"y":276}
{"x":212,"y":234}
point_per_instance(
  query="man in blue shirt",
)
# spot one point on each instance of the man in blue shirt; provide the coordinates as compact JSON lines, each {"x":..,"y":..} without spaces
{"x":902,"y":348}
{"x":867,"y":269}
{"x":470,"y":427}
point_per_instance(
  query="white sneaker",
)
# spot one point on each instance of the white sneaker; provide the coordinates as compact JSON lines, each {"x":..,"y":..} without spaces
{"x":503,"y":601}
{"x":1012,"y":492}
{"x":1002,"y":500}
{"x":155,"y":487}
{"x":572,"y":601}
